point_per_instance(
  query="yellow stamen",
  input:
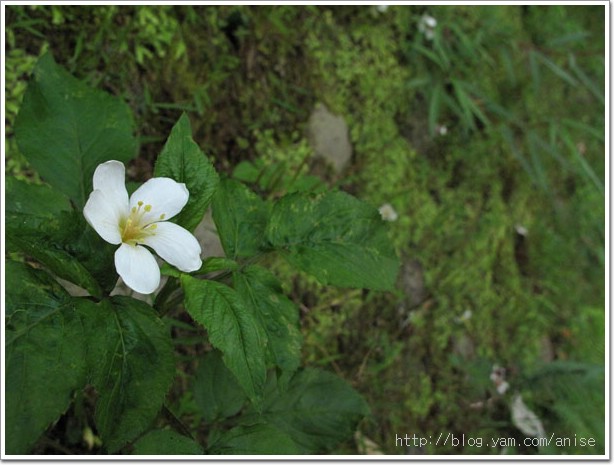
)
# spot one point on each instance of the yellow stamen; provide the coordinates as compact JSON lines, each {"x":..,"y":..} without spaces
{"x":133,"y":229}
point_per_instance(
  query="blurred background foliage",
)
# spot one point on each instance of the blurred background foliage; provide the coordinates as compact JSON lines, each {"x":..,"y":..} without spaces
{"x":486,"y":135}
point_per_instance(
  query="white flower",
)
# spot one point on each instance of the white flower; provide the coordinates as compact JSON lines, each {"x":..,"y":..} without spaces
{"x":502,"y":387}
{"x":497,"y":374}
{"x":442,"y":130}
{"x":382,"y":8}
{"x":388,"y":213}
{"x":429,"y":21}
{"x":140,"y":221}
{"x":525,"y":419}
{"x":466,"y":316}
{"x":427,"y":25}
{"x":521,"y":230}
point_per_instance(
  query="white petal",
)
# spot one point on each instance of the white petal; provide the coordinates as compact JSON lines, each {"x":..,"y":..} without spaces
{"x":525,"y":419}
{"x":166,"y":196}
{"x":110,"y":178}
{"x":138,"y":268}
{"x":103,"y":216}
{"x":175,"y":245}
{"x":430,"y":21}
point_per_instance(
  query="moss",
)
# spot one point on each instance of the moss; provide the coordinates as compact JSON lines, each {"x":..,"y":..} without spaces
{"x":18,"y":65}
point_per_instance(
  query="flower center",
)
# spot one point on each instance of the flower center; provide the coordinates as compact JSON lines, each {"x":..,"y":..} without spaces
{"x":134,"y":229}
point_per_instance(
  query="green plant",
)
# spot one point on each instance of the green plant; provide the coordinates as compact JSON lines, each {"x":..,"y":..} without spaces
{"x":58,"y":344}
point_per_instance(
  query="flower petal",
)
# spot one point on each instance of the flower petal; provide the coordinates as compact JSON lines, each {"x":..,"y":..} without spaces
{"x":176,"y":245}
{"x":103,"y":216}
{"x":110,"y":178}
{"x":138,"y":268}
{"x":166,"y":196}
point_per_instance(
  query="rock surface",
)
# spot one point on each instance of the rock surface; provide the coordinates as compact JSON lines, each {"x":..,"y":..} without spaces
{"x":207,"y":236}
{"x":411,"y":282}
{"x":329,"y":137}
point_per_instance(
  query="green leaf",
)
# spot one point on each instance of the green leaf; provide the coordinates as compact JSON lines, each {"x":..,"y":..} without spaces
{"x":182,"y":160}
{"x":585,"y":168}
{"x":93,"y":252}
{"x":212,"y":264}
{"x":335,"y":237}
{"x":67,"y":247}
{"x":131,"y":365}
{"x":166,"y":442}
{"x":597,"y":133}
{"x":216,"y":390}
{"x":269,"y":175}
{"x":556,"y":69}
{"x":57,"y":260}
{"x":418,"y":82}
{"x":232,"y":329}
{"x":463,"y":101}
{"x":240,"y":217}
{"x":535,"y":72}
{"x":467,"y":102}
{"x":593,"y":87}
{"x":510,"y":138}
{"x":44,"y":354}
{"x":265,"y":174}
{"x":436,"y":59}
{"x":278,"y":315}
{"x":246,"y":171}
{"x":39,"y":200}
{"x":209,"y":265}
{"x":66,"y":129}
{"x":434,"y":107}
{"x":307,"y":183}
{"x":318,"y":410}
{"x":257,"y":439}
{"x":32,"y":207}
